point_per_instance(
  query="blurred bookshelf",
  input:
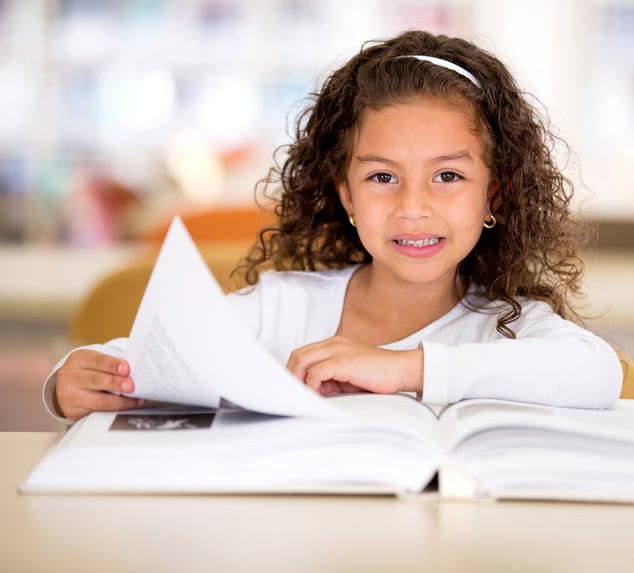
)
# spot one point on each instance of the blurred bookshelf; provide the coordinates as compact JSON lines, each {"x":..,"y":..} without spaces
{"x":118,"y":110}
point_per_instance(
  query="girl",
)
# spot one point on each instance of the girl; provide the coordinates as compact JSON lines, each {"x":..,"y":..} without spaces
{"x":424,"y":244}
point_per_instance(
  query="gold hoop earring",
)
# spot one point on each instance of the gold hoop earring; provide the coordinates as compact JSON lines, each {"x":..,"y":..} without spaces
{"x":351,"y":219}
{"x":490,"y":223}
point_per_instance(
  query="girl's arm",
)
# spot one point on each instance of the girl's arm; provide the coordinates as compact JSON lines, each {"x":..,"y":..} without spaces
{"x":552,"y":361}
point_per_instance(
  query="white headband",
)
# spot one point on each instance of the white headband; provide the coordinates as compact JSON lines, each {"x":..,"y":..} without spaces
{"x":448,"y":65}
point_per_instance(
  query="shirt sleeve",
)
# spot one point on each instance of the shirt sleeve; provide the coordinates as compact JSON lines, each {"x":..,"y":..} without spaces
{"x":552,"y":361}
{"x":115,"y":347}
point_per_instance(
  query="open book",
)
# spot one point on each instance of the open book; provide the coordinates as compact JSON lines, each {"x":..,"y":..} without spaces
{"x":246,"y":425}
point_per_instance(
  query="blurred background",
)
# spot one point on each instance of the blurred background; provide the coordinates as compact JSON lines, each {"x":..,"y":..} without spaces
{"x":116,"y":114}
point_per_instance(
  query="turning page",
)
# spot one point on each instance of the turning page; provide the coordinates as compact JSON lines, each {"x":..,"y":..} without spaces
{"x":187,"y":346}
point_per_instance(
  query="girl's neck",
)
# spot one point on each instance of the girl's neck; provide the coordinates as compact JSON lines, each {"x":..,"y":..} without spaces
{"x":379,"y":309}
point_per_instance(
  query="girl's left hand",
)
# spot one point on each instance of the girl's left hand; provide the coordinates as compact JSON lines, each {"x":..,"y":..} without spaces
{"x":338,"y":364}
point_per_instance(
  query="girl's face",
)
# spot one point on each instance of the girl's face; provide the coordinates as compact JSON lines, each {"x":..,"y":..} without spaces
{"x":418,"y":188}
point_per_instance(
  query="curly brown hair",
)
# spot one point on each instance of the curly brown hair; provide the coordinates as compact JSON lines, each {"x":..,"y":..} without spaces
{"x":531,"y":252}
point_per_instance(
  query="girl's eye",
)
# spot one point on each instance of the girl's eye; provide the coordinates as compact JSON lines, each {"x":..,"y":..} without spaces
{"x":447,"y":177}
{"x":382,"y":178}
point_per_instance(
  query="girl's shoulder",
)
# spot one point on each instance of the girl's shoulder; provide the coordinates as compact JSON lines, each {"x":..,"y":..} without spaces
{"x":533,"y":311}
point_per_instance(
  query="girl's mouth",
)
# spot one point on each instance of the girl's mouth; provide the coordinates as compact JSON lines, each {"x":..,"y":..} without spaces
{"x":419,"y":242}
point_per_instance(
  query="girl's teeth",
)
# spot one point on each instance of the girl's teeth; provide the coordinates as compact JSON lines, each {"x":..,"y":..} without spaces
{"x":420,"y":243}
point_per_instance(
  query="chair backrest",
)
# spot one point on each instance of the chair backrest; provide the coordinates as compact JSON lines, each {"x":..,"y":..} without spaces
{"x":223,"y":235}
{"x":216,"y":224}
{"x":109,"y":308}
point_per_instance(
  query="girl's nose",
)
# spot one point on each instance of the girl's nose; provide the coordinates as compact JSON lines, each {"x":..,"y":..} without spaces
{"x":416,"y":202}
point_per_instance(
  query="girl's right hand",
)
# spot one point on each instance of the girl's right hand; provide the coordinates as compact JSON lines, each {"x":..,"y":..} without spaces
{"x":90,"y":381}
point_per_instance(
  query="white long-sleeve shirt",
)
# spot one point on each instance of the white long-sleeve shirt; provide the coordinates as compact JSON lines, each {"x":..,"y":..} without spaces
{"x":552,"y":361}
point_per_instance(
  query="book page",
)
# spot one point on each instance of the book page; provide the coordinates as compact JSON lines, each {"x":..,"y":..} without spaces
{"x":398,"y":411}
{"x":187,"y":346}
{"x":469,"y":417}
{"x":509,"y":450}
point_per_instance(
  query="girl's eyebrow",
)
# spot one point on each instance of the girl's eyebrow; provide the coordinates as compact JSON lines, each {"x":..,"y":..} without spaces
{"x":374,"y":159}
{"x":456,"y":156}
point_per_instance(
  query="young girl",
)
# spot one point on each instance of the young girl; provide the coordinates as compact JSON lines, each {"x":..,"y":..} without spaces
{"x":424,"y":244}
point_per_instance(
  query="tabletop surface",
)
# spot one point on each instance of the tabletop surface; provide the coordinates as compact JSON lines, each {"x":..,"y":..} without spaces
{"x":296,"y":533}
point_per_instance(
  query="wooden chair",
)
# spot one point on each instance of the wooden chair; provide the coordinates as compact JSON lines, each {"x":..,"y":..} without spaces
{"x":109,"y":308}
{"x":223,"y":235}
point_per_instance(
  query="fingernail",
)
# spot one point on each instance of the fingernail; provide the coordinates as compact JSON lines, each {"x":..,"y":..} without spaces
{"x":126,"y":386}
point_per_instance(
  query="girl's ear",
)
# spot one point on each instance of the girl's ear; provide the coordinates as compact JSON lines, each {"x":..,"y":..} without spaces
{"x":345,"y":196}
{"x":494,"y":200}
